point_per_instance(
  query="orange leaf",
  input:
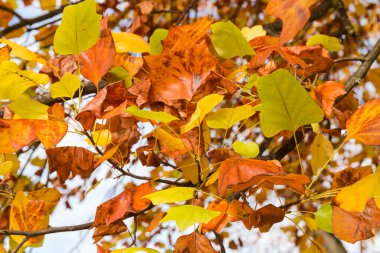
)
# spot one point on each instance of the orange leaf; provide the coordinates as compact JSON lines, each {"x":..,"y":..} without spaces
{"x":231,"y":211}
{"x":101,"y":249}
{"x":353,"y":226}
{"x":4,"y":53}
{"x":238,"y":172}
{"x":112,"y":229}
{"x":96,"y":61}
{"x":155,"y":221}
{"x":19,"y":133}
{"x":293,"y":13}
{"x":326,"y":94}
{"x":126,"y":203}
{"x":193,"y":243}
{"x":66,"y":160}
{"x":296,"y":182}
{"x":107,"y":155}
{"x":364,"y":124}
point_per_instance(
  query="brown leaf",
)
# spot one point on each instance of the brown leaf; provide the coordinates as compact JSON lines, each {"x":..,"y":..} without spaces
{"x":293,"y":13}
{"x":112,"y":229}
{"x":193,"y":243}
{"x":350,"y":176}
{"x":353,"y":226}
{"x":109,"y":102}
{"x":231,"y":211}
{"x":296,"y":182}
{"x":66,"y":160}
{"x":126,"y":203}
{"x":58,"y":66}
{"x":326,"y":94}
{"x":96,"y":61}
{"x":238,"y":172}
{"x":265,"y":217}
{"x":220,"y":154}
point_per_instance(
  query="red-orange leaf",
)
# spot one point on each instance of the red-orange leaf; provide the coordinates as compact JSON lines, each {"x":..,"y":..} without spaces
{"x":124,"y":204}
{"x":326,"y":94}
{"x":101,"y":249}
{"x":293,"y":13}
{"x":296,"y":182}
{"x":238,"y":172}
{"x":66,"y":160}
{"x":193,"y":243}
{"x":96,"y":61}
{"x":364,"y":124}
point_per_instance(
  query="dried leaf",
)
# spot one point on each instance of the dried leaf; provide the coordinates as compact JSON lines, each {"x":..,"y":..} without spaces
{"x":193,"y":243}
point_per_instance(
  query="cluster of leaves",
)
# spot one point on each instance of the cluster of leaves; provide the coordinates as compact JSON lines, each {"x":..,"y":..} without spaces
{"x":234,"y":115}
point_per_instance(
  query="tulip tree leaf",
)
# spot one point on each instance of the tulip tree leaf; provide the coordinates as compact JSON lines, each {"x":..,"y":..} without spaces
{"x":332,"y":44}
{"x":286,"y":105}
{"x":188,"y":215}
{"x":227,"y":117}
{"x":152,"y":115}
{"x":155,"y":43}
{"x":171,"y":195}
{"x":229,"y":41}
{"x":67,"y":87}
{"x":15,"y":81}
{"x":249,"y":149}
{"x":323,"y":217}
{"x":34,"y":110}
{"x":79,"y":29}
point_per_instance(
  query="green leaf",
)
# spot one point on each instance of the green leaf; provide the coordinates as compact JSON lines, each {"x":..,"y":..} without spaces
{"x":129,"y":42}
{"x":253,"y":32}
{"x":227,"y":117}
{"x":155,"y":44}
{"x":323,"y":217}
{"x":321,"y":151}
{"x":33,"y":110}
{"x":286,"y":105}
{"x":171,"y":195}
{"x":163,"y":117}
{"x":135,"y":249}
{"x":119,"y":73}
{"x":65,"y":88}
{"x":249,"y":149}
{"x":79,"y":29}
{"x":15,"y":81}
{"x":228,"y":40}
{"x":188,"y":215}
{"x":204,"y":106}
{"x":332,"y":44}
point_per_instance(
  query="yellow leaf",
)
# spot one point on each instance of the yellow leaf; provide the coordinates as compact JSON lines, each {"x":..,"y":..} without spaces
{"x":28,"y":215}
{"x":33,"y":110}
{"x":188,"y":215}
{"x":321,"y":151}
{"x":204,"y":106}
{"x":12,"y":158}
{"x":152,"y":115}
{"x":79,"y":29}
{"x":170,"y":142}
{"x":227,"y":117}
{"x":22,"y":52}
{"x":15,"y":81}
{"x":107,"y":155}
{"x":101,"y":137}
{"x":253,"y":32}
{"x":5,"y":167}
{"x":354,"y":198}
{"x":129,"y":42}
{"x":66,"y":87}
{"x":248,"y":150}
{"x":171,"y":195}
{"x":51,"y":197}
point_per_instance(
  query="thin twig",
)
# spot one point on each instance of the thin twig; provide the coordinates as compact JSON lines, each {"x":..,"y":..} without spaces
{"x":357,"y":77}
{"x":19,"y":246}
{"x":361,"y":59}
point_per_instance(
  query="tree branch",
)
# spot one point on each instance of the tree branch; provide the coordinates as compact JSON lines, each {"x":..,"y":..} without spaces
{"x":361,"y":72}
{"x":26,"y":22}
{"x":50,"y":230}
{"x":342,"y":12}
{"x":5,"y":8}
